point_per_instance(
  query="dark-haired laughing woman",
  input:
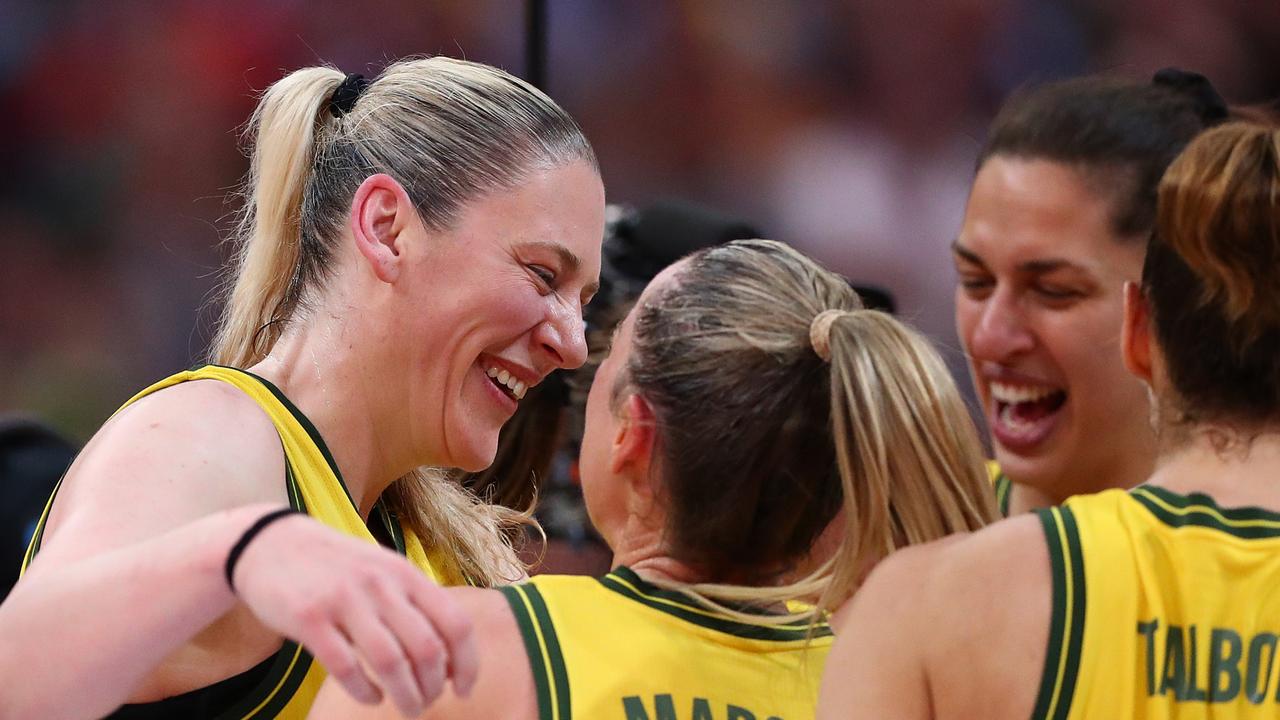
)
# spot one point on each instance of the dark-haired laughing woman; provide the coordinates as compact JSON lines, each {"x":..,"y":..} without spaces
{"x":1157,"y":602}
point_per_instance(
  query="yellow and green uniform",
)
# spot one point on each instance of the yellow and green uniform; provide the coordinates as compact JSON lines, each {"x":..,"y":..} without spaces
{"x":285,"y":684}
{"x":619,"y":647}
{"x":1164,"y":606}
{"x":1001,"y":485}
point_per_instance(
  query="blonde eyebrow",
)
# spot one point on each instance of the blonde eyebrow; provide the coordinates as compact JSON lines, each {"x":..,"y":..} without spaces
{"x":568,"y":258}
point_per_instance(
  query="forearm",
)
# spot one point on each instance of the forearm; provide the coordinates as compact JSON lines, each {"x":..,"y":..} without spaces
{"x":78,"y":637}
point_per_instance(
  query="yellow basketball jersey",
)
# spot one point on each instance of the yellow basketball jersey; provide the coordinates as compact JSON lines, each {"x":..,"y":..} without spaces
{"x":1164,"y":606}
{"x":314,"y":486}
{"x":619,"y":647}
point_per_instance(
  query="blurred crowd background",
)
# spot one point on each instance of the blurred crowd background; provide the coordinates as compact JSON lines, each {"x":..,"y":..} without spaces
{"x":847,"y":128}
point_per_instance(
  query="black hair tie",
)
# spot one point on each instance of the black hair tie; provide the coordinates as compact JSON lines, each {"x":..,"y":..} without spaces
{"x":1211,"y":106}
{"x":347,"y":93}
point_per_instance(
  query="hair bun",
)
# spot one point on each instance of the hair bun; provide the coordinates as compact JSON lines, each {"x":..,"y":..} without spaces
{"x":1211,"y":106}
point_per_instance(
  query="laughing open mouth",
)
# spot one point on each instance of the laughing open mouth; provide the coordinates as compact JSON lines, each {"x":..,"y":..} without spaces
{"x":1024,"y":412}
{"x":507,"y":383}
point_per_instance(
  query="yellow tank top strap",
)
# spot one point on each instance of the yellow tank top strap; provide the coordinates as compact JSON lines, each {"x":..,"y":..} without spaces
{"x":314,"y":484}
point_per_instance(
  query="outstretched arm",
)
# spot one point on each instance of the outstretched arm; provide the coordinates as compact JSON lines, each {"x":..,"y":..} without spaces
{"x":131,"y":568}
{"x":112,"y":617}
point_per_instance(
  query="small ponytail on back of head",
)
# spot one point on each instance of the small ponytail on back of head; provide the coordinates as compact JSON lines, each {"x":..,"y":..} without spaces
{"x":282,"y":139}
{"x":1211,"y":276}
{"x":1220,"y":211}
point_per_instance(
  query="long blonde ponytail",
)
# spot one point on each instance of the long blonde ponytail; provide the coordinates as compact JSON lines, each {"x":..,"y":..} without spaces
{"x":911,"y":463}
{"x":268,"y":235}
{"x":767,"y":431}
{"x":448,"y":131}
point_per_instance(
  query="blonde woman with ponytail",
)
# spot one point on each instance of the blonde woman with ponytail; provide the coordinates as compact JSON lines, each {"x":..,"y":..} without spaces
{"x":414,"y":254}
{"x":753,"y":438}
{"x":1151,"y":603}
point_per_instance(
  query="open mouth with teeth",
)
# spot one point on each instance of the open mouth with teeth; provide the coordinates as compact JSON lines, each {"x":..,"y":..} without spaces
{"x":507,"y":383}
{"x":1024,"y":414}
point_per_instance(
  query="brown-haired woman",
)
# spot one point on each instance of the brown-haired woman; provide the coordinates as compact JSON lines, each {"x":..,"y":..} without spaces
{"x":414,"y":254}
{"x":1158,"y":602}
{"x":752,"y":438}
{"x":1057,"y":221}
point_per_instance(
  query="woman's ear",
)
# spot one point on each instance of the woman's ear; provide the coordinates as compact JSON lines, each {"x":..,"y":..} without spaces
{"x":633,"y":442}
{"x":380,"y":211}
{"x":1135,"y":334}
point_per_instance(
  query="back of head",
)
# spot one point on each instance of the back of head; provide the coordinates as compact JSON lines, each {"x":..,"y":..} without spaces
{"x":762,"y":441}
{"x":1210,"y":276}
{"x":1122,"y":132}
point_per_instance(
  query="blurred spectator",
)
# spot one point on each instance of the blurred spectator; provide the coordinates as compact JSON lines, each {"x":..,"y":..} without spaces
{"x":33,"y":458}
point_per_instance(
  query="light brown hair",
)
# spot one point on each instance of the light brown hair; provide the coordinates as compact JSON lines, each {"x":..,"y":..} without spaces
{"x":762,"y":442}
{"x":1211,"y":276}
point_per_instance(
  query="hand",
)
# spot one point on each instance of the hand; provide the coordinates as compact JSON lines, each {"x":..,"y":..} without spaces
{"x":361,"y":610}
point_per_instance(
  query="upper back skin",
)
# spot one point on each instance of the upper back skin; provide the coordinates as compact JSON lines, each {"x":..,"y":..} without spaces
{"x":956,"y":612}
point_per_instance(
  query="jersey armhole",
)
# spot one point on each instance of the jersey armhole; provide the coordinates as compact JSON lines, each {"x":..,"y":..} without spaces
{"x":543,"y":648}
{"x":1066,"y":623}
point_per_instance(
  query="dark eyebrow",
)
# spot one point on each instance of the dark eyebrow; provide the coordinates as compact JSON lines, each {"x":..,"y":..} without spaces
{"x":568,"y":259}
{"x":1047,"y":265}
{"x":1031,"y":267}
{"x":966,"y":254}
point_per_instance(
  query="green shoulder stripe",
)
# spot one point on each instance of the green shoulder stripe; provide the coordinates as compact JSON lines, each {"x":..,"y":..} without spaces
{"x":1003,"y":485}
{"x":625,"y":582}
{"x":543,"y":647}
{"x":1066,"y":622}
{"x":273,"y":694}
{"x":1199,"y":510}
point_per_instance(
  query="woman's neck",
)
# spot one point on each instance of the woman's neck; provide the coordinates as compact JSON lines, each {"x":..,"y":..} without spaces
{"x":1236,"y":469}
{"x":326,"y":381}
{"x":1128,"y":467}
{"x":640,"y":547}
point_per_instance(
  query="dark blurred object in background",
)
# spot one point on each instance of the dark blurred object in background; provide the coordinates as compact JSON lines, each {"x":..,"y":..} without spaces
{"x":33,"y":458}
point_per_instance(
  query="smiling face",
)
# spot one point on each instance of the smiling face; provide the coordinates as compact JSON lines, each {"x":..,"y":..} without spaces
{"x":491,"y":306}
{"x":1039,"y":308}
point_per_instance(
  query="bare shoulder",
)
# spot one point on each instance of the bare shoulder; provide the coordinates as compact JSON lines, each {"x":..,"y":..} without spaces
{"x":940,"y":630}
{"x":994,"y":603}
{"x":504,"y":687}
{"x":176,"y":455}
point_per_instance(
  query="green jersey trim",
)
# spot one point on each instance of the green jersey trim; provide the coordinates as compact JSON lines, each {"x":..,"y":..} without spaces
{"x":625,"y":582}
{"x":1003,"y":487}
{"x":543,"y":647}
{"x":1199,"y":510}
{"x":1066,"y":622}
